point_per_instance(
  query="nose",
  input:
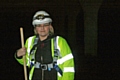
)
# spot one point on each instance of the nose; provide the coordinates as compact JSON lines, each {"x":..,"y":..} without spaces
{"x":42,"y":26}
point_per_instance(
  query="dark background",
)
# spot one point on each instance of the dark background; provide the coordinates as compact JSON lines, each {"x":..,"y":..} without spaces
{"x":104,"y":66}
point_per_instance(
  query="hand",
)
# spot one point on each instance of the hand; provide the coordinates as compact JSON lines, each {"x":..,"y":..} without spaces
{"x":21,"y":52}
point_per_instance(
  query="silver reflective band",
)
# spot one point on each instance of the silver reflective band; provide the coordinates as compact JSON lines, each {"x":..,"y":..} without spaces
{"x":43,"y":21}
{"x":69,"y":69}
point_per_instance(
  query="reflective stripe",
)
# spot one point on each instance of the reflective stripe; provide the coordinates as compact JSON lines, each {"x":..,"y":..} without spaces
{"x":57,"y":37}
{"x":29,"y":44}
{"x":28,"y":49}
{"x":69,"y":69}
{"x":59,"y":74}
{"x":65,"y":58}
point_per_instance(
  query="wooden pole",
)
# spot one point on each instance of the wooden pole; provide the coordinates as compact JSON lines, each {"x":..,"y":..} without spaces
{"x":24,"y":59}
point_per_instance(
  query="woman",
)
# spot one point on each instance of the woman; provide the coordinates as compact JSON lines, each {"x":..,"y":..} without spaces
{"x":48,"y":56}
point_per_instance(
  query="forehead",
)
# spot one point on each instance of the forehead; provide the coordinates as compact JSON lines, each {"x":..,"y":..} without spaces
{"x":44,"y":24}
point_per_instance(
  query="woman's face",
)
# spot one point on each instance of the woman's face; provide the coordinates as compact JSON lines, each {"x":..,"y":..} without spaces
{"x":43,"y":29}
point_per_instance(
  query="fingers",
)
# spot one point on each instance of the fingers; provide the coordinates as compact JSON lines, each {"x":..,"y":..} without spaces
{"x":21,"y":52}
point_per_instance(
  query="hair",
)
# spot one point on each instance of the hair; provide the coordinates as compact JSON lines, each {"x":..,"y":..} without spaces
{"x":51,"y":32}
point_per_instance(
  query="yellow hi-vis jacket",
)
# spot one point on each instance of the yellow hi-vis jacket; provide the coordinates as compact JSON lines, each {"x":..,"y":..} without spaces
{"x":66,"y":63}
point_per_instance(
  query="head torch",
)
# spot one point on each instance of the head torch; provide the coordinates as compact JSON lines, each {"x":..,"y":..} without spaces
{"x":41,"y":17}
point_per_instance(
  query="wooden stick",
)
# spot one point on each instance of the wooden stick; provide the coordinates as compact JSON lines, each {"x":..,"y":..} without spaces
{"x":24,"y":59}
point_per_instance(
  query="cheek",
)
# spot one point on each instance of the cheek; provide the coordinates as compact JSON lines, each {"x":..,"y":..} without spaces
{"x":37,"y":29}
{"x":47,"y":29}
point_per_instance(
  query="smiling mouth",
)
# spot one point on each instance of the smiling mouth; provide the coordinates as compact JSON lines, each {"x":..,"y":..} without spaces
{"x":42,"y":31}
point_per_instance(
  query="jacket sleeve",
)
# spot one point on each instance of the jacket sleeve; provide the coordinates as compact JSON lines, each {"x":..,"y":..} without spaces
{"x":67,"y":60}
{"x":20,"y":59}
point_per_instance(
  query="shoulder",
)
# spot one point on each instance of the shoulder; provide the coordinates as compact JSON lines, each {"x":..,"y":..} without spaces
{"x":60,"y":39}
{"x":31,"y":37}
{"x":30,"y":40}
{"x":58,"y":36}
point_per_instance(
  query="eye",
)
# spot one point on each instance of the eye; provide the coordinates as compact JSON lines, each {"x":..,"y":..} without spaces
{"x":38,"y":26}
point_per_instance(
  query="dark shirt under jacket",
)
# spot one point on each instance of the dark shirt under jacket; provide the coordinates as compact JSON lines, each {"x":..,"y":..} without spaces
{"x":44,"y":50}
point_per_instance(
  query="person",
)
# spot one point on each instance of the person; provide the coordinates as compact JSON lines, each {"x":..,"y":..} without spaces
{"x":48,"y":56}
